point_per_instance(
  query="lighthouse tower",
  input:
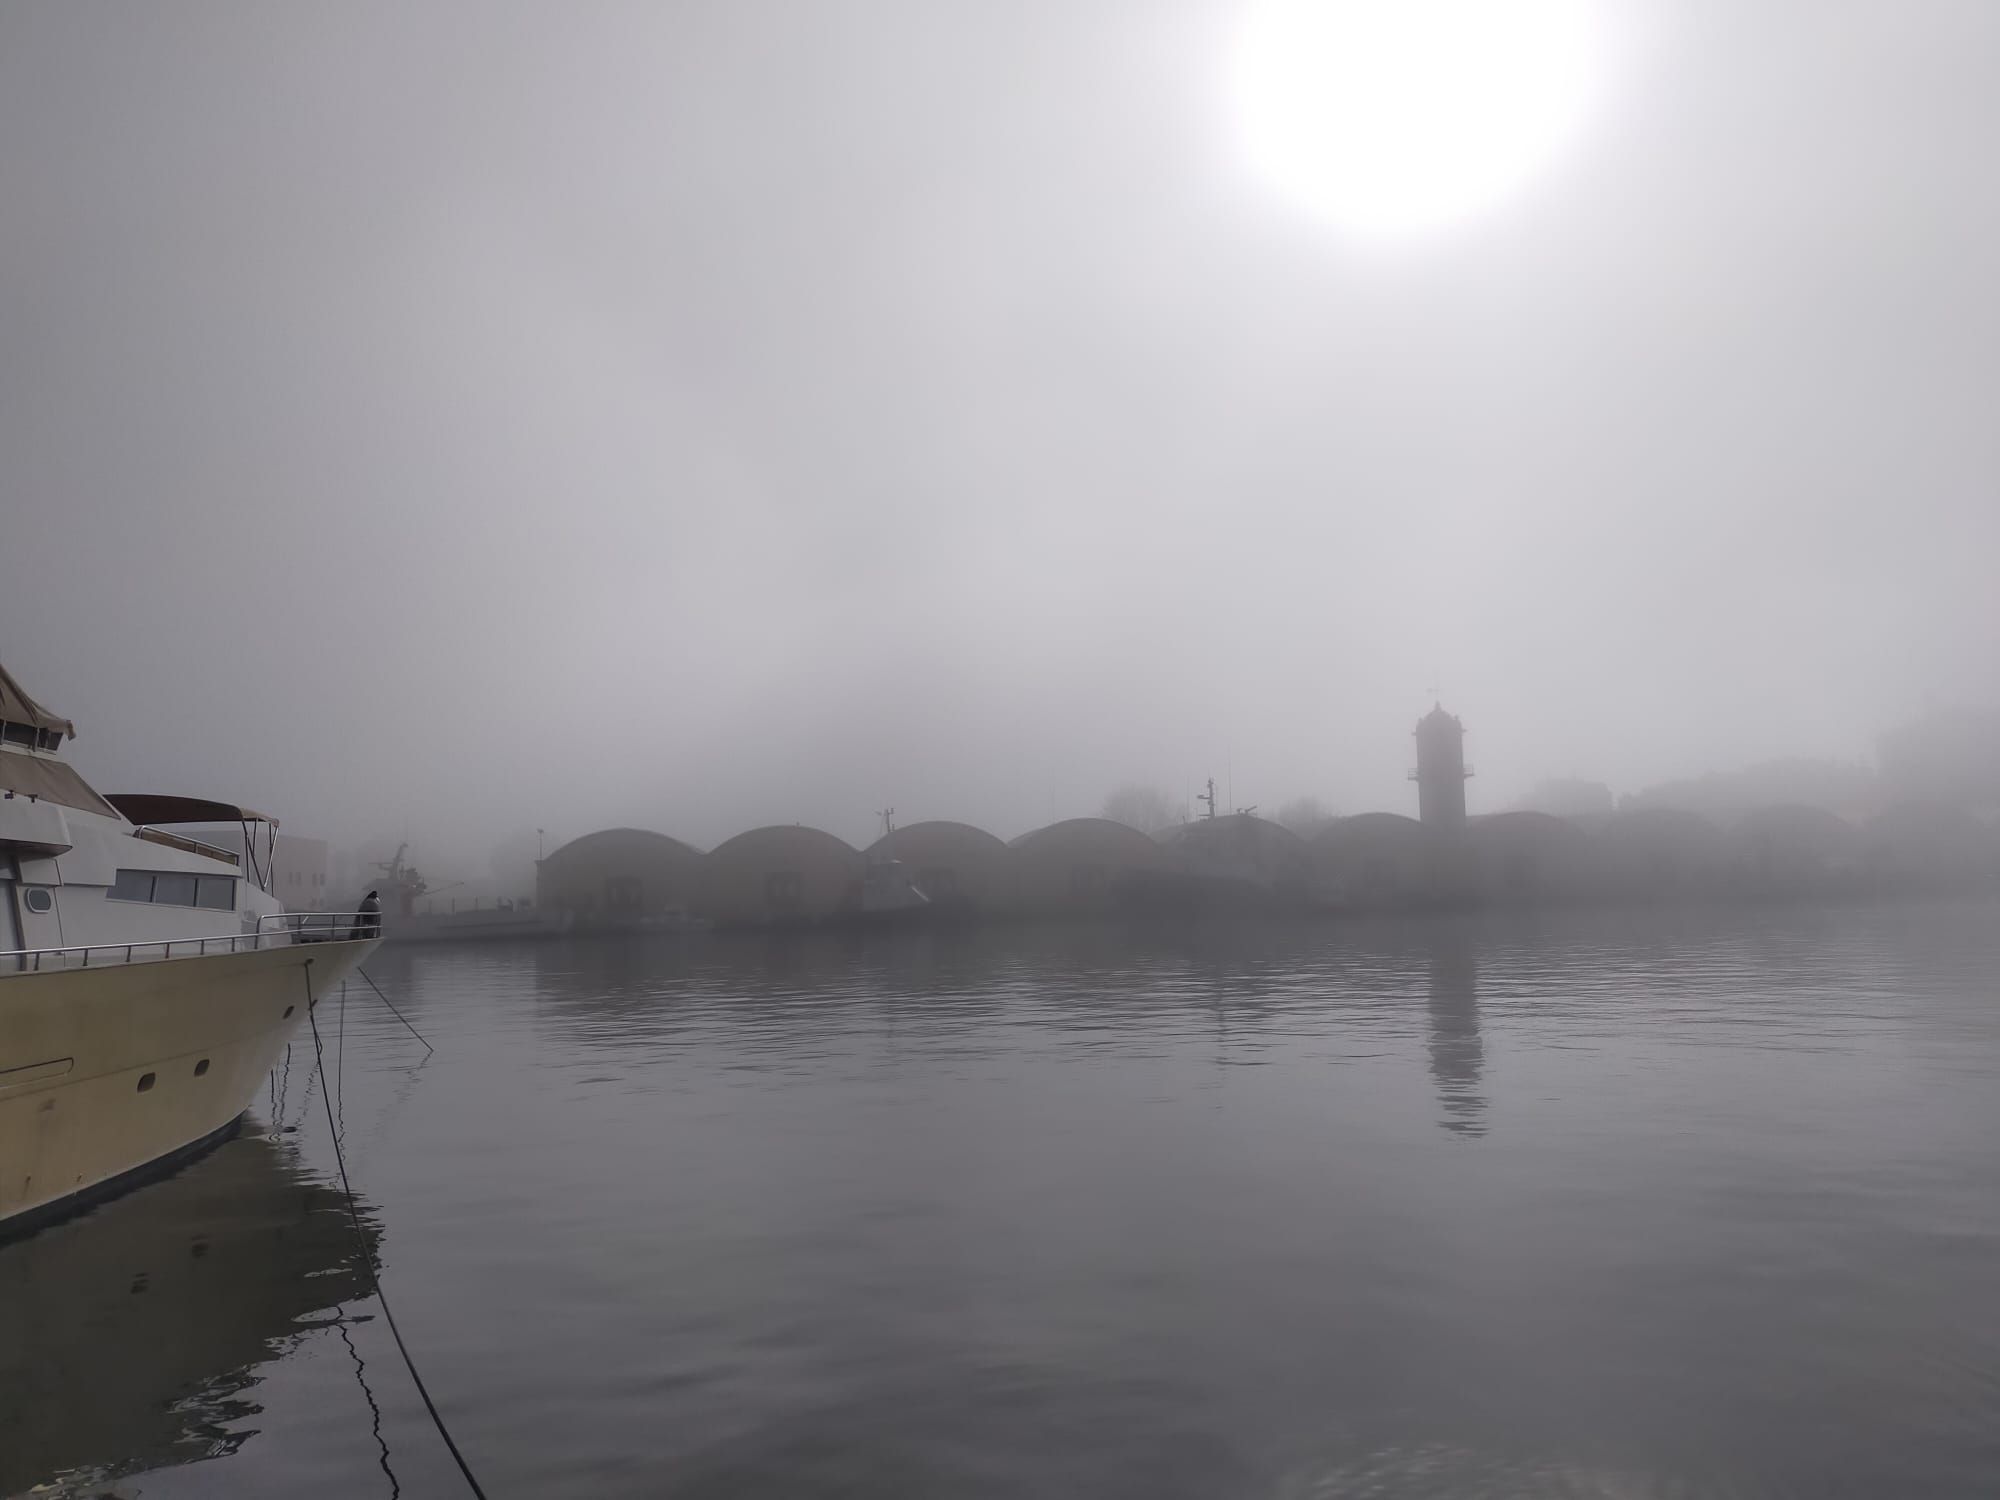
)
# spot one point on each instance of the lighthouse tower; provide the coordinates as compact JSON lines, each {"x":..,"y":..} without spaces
{"x":1441,"y":772}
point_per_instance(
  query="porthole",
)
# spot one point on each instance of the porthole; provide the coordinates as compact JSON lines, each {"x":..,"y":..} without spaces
{"x":146,"y":1081}
{"x":39,"y":900}
{"x":201,"y":1067}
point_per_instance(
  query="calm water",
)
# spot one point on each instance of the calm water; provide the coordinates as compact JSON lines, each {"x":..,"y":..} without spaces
{"x":1690,"y":1206}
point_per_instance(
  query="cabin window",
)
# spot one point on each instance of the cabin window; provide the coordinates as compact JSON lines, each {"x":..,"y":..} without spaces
{"x":133,"y":885}
{"x":38,"y":900}
{"x":36,"y":739}
{"x":173,"y":889}
{"x":170,"y":888}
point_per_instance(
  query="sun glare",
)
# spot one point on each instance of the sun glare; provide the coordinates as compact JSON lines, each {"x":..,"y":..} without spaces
{"x":1392,"y":117}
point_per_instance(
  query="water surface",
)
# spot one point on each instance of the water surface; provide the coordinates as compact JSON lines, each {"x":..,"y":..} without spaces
{"x":1686,"y":1205}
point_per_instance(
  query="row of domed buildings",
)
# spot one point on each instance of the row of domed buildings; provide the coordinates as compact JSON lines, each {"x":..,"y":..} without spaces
{"x":1377,"y":861}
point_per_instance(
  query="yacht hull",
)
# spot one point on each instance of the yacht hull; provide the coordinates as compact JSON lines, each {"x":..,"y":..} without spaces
{"x":110,"y":1075}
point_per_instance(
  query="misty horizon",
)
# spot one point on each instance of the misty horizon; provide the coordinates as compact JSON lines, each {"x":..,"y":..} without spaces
{"x":691,"y":421}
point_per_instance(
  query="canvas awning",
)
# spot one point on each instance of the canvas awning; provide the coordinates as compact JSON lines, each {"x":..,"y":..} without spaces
{"x":157,"y":810}
{"x":16,"y":707}
{"x":49,"y":780}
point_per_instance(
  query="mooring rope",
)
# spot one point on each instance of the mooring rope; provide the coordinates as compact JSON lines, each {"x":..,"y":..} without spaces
{"x":374,"y":1408}
{"x":392,"y":1007}
{"x":367,"y":1258}
{"x":340,"y":1063}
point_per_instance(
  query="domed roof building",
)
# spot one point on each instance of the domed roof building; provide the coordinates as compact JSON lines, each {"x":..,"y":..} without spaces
{"x":781,"y":876}
{"x":1372,"y":859}
{"x":1655,"y":851}
{"x":1526,"y":857}
{"x":958,"y":867}
{"x":618,"y":877}
{"x":1794,"y":849}
{"x":1243,"y":857}
{"x":1085,"y":865}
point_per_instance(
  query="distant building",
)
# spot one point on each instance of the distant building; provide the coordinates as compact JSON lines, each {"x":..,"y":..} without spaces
{"x":1571,"y":797}
{"x":1658,"y":851}
{"x":959,"y":868}
{"x":1372,"y":860}
{"x":618,"y":877}
{"x":1570,"y":846}
{"x":1794,"y":850}
{"x":1084,"y":865}
{"x":1441,"y":771}
{"x":783,"y":876}
{"x":1248,"y":856}
{"x":1847,"y":790}
{"x":298,"y":873}
{"x":1520,"y":858}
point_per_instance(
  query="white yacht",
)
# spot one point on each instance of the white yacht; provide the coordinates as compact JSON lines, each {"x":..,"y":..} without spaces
{"x":148,"y":981}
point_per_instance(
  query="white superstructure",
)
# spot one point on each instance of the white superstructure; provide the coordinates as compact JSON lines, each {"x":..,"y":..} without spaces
{"x":147,"y":980}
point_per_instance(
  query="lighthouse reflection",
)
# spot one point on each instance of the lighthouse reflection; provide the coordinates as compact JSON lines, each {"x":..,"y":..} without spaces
{"x":1458,"y":1056}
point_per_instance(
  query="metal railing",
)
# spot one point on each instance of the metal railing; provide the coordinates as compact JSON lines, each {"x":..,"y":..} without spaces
{"x":273,"y":930}
{"x":321,"y":926}
{"x":187,"y":845}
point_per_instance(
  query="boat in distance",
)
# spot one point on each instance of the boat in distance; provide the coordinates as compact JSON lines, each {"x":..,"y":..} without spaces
{"x":148,"y":981}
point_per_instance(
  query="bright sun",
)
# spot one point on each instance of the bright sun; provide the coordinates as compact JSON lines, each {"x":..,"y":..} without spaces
{"x":1391,"y":117}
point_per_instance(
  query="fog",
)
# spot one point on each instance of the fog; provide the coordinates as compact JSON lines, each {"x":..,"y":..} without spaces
{"x":457,"y":419}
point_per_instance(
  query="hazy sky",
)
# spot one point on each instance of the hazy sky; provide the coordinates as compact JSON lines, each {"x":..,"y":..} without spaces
{"x":456,"y":418}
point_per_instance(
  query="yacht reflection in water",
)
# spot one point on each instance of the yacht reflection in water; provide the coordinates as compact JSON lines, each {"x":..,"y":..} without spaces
{"x":1457,"y":1054}
{"x":133,"y":1334}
